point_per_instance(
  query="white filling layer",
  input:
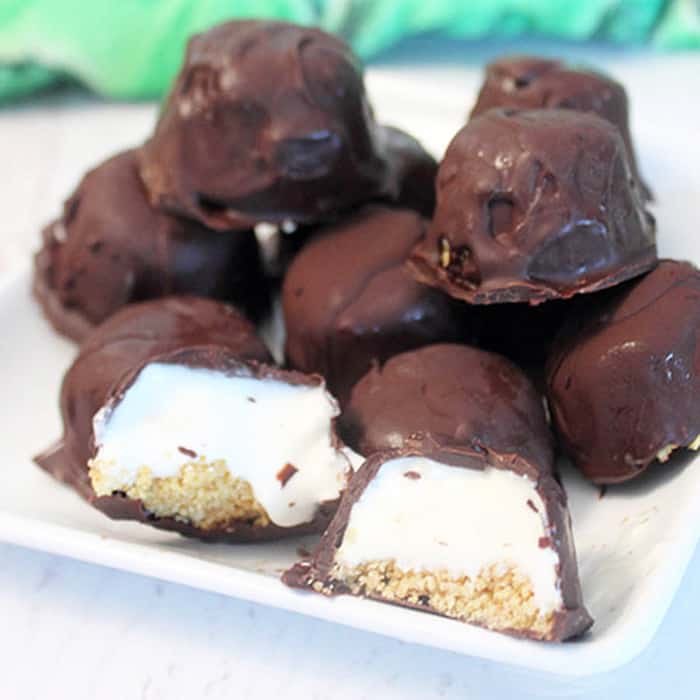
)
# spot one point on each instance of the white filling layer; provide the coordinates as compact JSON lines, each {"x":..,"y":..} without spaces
{"x":459,"y":520}
{"x":257,"y":426}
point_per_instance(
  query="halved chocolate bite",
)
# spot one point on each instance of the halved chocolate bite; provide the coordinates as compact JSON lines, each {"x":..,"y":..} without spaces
{"x":111,"y":248}
{"x":232,"y":448}
{"x":349,"y":300}
{"x":459,"y":395}
{"x":532,"y":82}
{"x":267,"y":122}
{"x":171,"y":418}
{"x":474,"y":535}
{"x":532,"y":206}
{"x":623,"y":380}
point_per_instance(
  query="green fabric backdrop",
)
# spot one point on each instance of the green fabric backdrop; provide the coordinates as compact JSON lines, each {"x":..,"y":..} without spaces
{"x":130,"y":49}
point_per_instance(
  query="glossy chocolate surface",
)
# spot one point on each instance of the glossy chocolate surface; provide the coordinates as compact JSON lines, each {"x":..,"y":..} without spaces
{"x":531,"y":82}
{"x":624,"y":379}
{"x":571,"y":621}
{"x":349,"y":300}
{"x":267,"y":121}
{"x":111,"y":248}
{"x":459,"y":395}
{"x":533,"y":206}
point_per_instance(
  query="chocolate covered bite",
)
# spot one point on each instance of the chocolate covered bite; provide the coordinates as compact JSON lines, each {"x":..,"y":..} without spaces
{"x":349,"y":300}
{"x":624,"y":380}
{"x":173,"y":416}
{"x":531,"y":82}
{"x":111,"y":248}
{"x":533,"y":206}
{"x":458,"y":395}
{"x":266,"y":121}
{"x":472,"y":535}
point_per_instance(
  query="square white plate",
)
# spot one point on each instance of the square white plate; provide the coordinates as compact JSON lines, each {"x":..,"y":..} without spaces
{"x":633,"y":544}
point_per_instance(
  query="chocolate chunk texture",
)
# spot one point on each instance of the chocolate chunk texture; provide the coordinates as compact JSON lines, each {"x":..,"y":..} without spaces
{"x":111,"y":248}
{"x":531,"y":82}
{"x":349,"y":300}
{"x":532,"y":206}
{"x":467,"y":534}
{"x":623,"y":380}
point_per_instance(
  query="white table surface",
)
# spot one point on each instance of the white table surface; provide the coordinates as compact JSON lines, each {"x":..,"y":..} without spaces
{"x":74,"y":630}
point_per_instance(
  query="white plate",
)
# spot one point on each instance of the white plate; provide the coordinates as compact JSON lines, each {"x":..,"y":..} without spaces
{"x":633,"y":544}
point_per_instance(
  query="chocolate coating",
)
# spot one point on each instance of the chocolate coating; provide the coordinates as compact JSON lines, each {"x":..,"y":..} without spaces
{"x":186,"y":329}
{"x":570,"y":622}
{"x":458,"y":395}
{"x":531,"y":82}
{"x":111,"y":248}
{"x":266,"y":121}
{"x":348,"y":299}
{"x":534,"y":206}
{"x":624,"y":380}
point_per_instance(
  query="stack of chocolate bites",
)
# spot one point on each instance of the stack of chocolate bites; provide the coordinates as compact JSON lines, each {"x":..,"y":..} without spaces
{"x":407,"y":424}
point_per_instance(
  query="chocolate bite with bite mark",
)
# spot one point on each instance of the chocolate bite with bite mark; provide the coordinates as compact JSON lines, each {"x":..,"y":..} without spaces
{"x":267,"y":122}
{"x":111,"y":248}
{"x":349,"y":300}
{"x":623,"y":380}
{"x":531,"y":82}
{"x":533,"y":206}
{"x":458,"y":395}
{"x":470,"y":534}
{"x":172,"y":418}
